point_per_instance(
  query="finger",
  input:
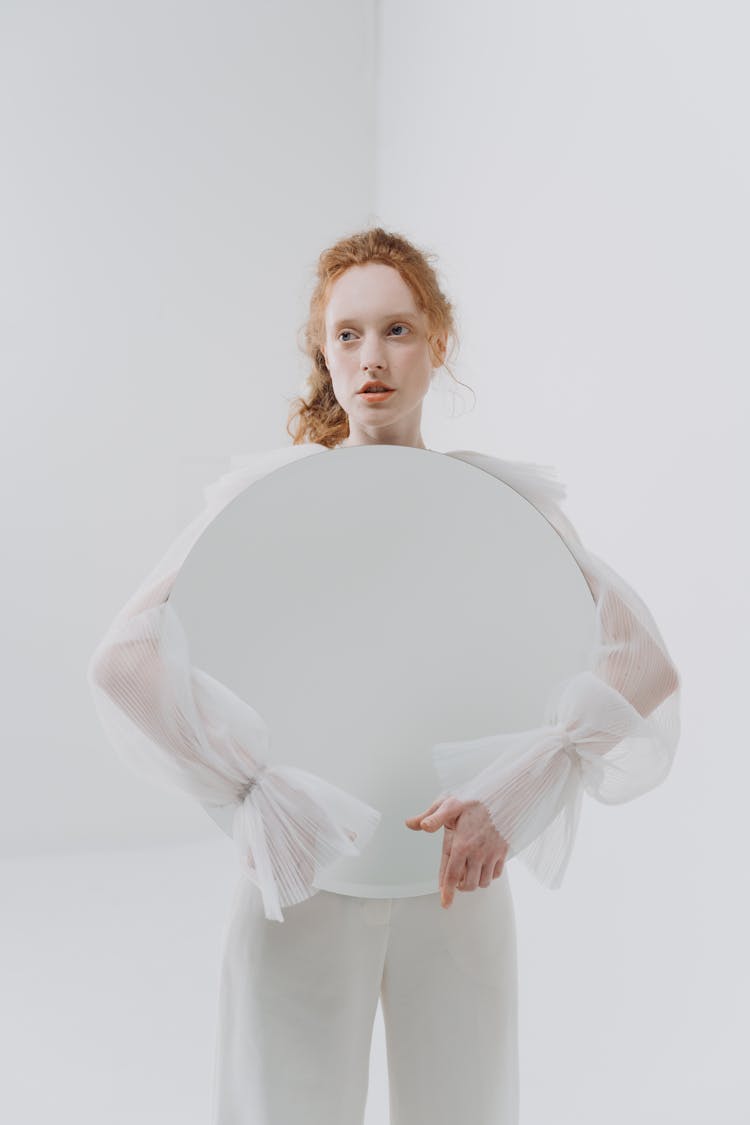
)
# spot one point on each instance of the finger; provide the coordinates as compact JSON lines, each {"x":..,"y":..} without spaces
{"x":486,"y":877}
{"x":446,"y":813}
{"x":473,"y":874}
{"x":449,"y":889}
{"x":447,"y":839}
{"x":498,"y":869}
{"x":415,"y":821}
{"x":453,"y":874}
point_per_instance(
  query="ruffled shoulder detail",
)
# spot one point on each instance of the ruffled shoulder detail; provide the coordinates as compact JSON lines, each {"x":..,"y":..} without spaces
{"x":539,"y":484}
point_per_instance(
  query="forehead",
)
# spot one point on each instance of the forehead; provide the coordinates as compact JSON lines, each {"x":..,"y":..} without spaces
{"x":369,"y":292}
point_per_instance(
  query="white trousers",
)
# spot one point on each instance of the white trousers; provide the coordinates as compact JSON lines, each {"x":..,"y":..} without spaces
{"x":297,"y":1003}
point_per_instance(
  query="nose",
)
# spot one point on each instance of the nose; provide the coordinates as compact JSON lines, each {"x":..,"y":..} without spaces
{"x":372,"y":356}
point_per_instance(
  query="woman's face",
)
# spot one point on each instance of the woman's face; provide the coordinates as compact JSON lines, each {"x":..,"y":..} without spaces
{"x":374,"y":330}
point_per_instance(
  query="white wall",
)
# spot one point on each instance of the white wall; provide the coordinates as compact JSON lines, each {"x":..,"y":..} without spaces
{"x":170,"y":175}
{"x":582,"y":169}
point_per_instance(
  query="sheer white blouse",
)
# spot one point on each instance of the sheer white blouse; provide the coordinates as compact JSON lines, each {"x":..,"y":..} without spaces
{"x":611,"y":731}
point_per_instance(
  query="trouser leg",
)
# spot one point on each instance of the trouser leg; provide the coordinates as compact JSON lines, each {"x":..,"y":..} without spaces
{"x":449,"y":997}
{"x":297,"y":1003}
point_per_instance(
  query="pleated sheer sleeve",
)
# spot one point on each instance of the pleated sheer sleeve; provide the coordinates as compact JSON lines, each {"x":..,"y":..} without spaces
{"x":180,"y":728}
{"x":610,"y":730}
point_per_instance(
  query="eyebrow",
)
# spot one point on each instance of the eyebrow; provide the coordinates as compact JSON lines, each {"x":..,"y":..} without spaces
{"x":389,"y":316}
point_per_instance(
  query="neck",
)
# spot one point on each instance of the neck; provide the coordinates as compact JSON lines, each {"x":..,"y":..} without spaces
{"x":410,"y":435}
{"x":419,"y":444}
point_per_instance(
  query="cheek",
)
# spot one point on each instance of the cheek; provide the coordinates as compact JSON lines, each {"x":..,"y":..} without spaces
{"x":341,"y":365}
{"x":344,"y":386}
{"x":421,"y":374}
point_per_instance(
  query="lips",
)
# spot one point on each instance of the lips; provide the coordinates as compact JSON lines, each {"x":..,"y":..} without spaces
{"x":376,"y":385}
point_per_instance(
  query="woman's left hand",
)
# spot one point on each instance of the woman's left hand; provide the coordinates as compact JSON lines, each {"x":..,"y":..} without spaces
{"x":473,"y":850}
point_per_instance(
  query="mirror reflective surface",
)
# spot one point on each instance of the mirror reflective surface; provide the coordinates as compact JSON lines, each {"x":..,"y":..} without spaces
{"x":370,"y":602}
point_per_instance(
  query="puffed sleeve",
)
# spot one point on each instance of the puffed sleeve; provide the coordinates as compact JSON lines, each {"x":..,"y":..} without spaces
{"x":611,"y":730}
{"x":180,"y":728}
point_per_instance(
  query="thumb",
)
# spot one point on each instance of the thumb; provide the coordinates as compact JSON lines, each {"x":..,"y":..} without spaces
{"x":432,"y":822}
{"x":445,"y":812}
{"x":417,"y":821}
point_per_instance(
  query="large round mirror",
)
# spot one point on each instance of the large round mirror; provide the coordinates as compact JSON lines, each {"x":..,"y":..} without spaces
{"x":370,"y":602}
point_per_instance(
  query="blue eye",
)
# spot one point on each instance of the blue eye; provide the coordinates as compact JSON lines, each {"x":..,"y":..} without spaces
{"x":347,"y":331}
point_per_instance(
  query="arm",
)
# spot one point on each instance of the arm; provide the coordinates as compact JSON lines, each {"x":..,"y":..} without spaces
{"x":181,"y":728}
{"x":612,"y":729}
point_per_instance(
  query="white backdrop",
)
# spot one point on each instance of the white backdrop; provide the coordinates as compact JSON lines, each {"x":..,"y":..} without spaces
{"x":170,"y":174}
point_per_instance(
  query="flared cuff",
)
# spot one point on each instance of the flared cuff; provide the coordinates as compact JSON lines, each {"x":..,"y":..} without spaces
{"x":292,"y":824}
{"x":531,"y":782}
{"x":179,"y":727}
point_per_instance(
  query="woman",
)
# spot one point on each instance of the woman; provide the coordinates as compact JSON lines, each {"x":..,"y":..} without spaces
{"x":297,"y":1001}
